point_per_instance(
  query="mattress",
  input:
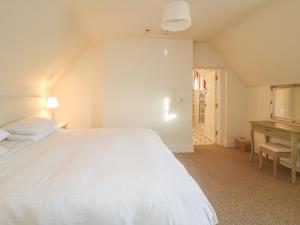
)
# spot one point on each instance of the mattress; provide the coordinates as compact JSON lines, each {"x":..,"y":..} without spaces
{"x":103,"y":177}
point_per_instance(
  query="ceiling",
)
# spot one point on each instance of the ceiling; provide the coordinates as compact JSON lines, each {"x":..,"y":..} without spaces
{"x":100,"y":19}
{"x":264,"y":48}
{"x":40,"y":40}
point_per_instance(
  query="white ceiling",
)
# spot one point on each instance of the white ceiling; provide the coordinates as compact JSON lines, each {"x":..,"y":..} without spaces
{"x":40,"y":40}
{"x":129,"y":18}
{"x":264,"y":49}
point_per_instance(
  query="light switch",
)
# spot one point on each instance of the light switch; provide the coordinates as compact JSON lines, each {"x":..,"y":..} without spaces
{"x":179,"y":100}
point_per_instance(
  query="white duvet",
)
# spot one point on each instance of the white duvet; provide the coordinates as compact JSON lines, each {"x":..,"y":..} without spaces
{"x":98,"y":177}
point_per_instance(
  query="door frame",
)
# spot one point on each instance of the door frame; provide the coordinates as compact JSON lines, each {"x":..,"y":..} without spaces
{"x":220,"y":103}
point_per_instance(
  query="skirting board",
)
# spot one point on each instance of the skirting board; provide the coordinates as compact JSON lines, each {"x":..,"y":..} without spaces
{"x":181,"y":148}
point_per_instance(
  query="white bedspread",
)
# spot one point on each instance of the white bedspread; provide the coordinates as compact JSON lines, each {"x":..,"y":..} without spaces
{"x":103,"y":177}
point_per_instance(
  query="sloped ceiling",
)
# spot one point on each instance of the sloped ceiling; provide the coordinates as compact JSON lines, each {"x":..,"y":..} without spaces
{"x":39,"y":39}
{"x":264,"y":48}
{"x":129,"y":18}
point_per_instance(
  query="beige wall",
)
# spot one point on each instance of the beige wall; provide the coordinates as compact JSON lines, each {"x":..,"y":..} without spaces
{"x":206,"y":56}
{"x":39,"y":40}
{"x":258,"y":103}
{"x":18,"y":102}
{"x":138,"y":75}
{"x":41,"y":43}
{"x":257,"y":108}
{"x":80,"y":92}
{"x":126,"y":74}
{"x":235,"y":104}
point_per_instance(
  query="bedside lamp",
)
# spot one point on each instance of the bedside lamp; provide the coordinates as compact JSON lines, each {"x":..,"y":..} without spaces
{"x":52,"y":103}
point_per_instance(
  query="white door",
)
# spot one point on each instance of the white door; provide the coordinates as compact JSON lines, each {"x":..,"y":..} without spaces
{"x":195,"y":108}
{"x":210,"y":109}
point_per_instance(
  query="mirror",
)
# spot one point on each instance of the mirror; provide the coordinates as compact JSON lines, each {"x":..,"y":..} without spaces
{"x":286,"y":103}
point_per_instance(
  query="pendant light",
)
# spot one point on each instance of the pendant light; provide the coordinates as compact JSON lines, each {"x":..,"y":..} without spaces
{"x":177,"y":16}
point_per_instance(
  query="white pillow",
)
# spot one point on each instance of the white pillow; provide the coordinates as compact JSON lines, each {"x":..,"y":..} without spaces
{"x":21,"y":137}
{"x":3,"y":134}
{"x":3,"y":151}
{"x":30,"y":126}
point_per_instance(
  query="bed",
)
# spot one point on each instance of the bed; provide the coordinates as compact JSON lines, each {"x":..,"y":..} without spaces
{"x":103,"y":177}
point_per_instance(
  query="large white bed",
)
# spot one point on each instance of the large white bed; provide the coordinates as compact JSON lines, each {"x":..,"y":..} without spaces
{"x":103,"y":177}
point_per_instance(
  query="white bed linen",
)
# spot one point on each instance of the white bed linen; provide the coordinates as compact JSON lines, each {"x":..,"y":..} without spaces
{"x":3,"y":134}
{"x":103,"y":177}
{"x":21,"y":137}
{"x":30,"y":126}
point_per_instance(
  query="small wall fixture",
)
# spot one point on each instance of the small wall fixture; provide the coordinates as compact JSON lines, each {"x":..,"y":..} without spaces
{"x":52,"y":103}
{"x":177,"y":16}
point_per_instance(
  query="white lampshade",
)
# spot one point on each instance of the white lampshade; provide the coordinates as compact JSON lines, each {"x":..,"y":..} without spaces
{"x":52,"y":103}
{"x":177,"y":16}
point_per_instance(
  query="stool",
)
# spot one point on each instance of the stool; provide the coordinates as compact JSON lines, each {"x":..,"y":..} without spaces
{"x":276,"y":151}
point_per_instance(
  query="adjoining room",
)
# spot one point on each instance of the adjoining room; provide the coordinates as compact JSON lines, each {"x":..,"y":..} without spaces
{"x":205,"y":106}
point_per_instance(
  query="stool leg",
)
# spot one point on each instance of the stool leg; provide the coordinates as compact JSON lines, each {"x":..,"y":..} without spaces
{"x":260,"y":160}
{"x":275,"y":166}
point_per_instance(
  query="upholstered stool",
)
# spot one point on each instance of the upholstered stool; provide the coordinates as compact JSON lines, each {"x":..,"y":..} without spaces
{"x":276,"y":151}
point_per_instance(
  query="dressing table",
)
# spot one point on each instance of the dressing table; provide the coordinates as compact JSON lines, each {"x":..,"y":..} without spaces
{"x":285,"y":123}
{"x":278,"y":130}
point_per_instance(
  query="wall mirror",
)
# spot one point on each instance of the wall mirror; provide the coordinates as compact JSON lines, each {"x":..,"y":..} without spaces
{"x":285,"y":103}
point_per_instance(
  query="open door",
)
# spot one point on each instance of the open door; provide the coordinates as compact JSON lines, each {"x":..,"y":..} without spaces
{"x":205,"y":112}
{"x":210,"y":106}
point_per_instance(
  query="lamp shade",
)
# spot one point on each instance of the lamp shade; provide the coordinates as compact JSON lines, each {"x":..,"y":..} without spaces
{"x":52,"y":103}
{"x":177,"y":16}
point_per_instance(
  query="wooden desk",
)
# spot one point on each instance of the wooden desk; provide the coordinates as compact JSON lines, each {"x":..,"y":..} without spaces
{"x":278,"y":130}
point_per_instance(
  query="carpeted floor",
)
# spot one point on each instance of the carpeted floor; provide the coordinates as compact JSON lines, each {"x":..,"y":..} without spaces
{"x":240,"y":194}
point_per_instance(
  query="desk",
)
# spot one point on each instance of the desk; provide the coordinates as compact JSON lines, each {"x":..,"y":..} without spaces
{"x":278,"y":130}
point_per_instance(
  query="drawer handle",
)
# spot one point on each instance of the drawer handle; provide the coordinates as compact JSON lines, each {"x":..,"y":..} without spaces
{"x":269,"y":130}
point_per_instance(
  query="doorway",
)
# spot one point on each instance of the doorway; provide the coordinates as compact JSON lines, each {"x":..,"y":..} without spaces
{"x":204,"y":106}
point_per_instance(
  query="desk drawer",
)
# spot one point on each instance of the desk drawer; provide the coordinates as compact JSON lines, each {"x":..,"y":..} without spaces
{"x":273,"y":132}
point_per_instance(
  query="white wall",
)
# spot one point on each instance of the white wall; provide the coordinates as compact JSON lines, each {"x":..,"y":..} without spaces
{"x":39,"y":40}
{"x":235,"y":104}
{"x":18,"y":102}
{"x":206,"y":56}
{"x":80,"y":92}
{"x":257,"y":108}
{"x":138,"y":75}
{"x":258,"y":103}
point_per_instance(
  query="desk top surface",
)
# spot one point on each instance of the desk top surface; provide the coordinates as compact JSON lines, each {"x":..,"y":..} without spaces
{"x":278,"y":126}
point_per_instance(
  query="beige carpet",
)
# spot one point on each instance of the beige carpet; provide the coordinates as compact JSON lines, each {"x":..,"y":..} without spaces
{"x":240,"y":194}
